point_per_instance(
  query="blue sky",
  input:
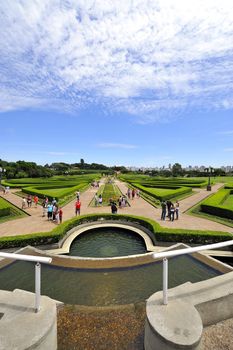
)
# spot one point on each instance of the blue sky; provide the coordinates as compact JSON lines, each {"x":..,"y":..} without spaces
{"x":133,"y":82}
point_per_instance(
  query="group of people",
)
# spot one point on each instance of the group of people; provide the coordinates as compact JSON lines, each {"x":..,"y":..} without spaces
{"x":132,"y":193}
{"x":98,"y":199}
{"x":27,"y":202}
{"x":170,"y":210}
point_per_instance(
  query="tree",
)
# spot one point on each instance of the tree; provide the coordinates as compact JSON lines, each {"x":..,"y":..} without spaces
{"x":82,"y":163}
{"x":177,"y":170}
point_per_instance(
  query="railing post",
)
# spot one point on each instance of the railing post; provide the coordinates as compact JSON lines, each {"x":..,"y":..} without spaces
{"x":165,"y":280}
{"x":37,"y":286}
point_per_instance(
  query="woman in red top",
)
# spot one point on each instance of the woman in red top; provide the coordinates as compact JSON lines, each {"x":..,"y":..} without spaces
{"x":77,"y":207}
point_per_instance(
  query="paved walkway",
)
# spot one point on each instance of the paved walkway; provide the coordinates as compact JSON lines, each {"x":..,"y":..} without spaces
{"x":36,"y":223}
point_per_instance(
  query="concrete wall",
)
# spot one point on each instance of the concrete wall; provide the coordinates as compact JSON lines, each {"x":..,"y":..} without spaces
{"x":191,"y":307}
{"x":21,"y":328}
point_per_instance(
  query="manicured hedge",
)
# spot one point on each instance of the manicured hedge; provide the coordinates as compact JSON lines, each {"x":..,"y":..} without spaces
{"x":64,"y":191}
{"x":161,"y":234}
{"x":9,"y":210}
{"x":168,"y":193}
{"x":4,"y":208}
{"x":214,"y":205}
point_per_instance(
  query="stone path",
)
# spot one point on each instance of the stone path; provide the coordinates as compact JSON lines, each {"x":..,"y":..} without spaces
{"x":36,"y":223}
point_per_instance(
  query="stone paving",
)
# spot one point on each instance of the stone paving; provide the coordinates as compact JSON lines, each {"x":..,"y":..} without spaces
{"x":36,"y":223}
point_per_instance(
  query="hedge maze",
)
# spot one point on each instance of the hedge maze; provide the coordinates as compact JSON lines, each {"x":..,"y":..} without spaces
{"x":9,"y":211}
{"x":62,"y":188}
{"x":156,"y":189}
{"x":220,"y":204}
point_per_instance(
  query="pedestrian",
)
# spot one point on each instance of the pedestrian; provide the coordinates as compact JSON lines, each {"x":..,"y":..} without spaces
{"x":120,"y":202}
{"x":177,"y":208}
{"x":114,"y":208}
{"x":133,"y":193}
{"x":164,"y":207}
{"x":77,"y":207}
{"x":129,"y":193}
{"x":96,"y":200}
{"x":78,"y":195}
{"x":60,"y":212}
{"x":23,"y":203}
{"x":100,"y":200}
{"x":50,"y":211}
{"x":169,"y":203}
{"x":36,"y":199}
{"x":44,"y":206}
{"x":138,"y":193}
{"x":29,"y":201}
{"x":55,"y":210}
{"x":172,"y":212}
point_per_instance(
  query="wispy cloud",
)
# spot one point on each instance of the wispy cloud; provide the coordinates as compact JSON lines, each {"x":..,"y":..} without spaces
{"x":227,"y":132}
{"x":150,"y":58}
{"x":228,"y":149}
{"x":116,"y":145}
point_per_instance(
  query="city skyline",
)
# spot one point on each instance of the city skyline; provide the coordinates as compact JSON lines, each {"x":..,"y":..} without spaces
{"x":133,"y":83}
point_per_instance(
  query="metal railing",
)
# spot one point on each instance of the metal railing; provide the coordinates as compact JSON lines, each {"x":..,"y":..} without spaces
{"x":172,"y":253}
{"x":38,"y":260}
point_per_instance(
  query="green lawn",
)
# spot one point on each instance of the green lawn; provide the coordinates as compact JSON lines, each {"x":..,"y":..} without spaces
{"x":9,"y":212}
{"x":229,"y":202}
{"x":108,"y":191}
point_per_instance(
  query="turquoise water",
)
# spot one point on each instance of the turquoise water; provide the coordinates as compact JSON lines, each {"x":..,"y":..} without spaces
{"x":107,"y":242}
{"x":104,"y":287}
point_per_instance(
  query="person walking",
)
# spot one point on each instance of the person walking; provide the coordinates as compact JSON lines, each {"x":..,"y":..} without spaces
{"x":23,"y":203}
{"x":35,"y":199}
{"x":29,"y":201}
{"x":96,"y":200}
{"x":60,"y":212}
{"x":77,"y":207}
{"x":172,"y":212}
{"x":164,"y":210}
{"x":100,"y":199}
{"x":177,"y":208}
{"x":114,"y":208}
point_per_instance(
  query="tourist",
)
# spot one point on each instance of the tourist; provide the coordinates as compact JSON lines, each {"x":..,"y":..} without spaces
{"x":35,"y":199}
{"x":55,"y":210}
{"x":120,"y":202}
{"x":114,"y":208}
{"x":29,"y":201}
{"x":177,"y":207}
{"x":77,"y":207}
{"x":23,"y":203}
{"x":164,"y":207}
{"x":123,"y":202}
{"x":50,"y":211}
{"x":44,"y":206}
{"x":60,"y":212}
{"x":100,"y":200}
{"x":172,"y":212}
{"x":78,"y":195}
{"x":169,"y":203}
{"x":133,"y":193}
{"x":129,"y":193}
{"x":138,"y":193}
{"x":96,"y":200}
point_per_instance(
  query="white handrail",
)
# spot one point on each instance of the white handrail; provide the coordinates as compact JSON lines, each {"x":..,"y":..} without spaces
{"x":24,"y":257}
{"x":38,"y":260}
{"x":171,"y":253}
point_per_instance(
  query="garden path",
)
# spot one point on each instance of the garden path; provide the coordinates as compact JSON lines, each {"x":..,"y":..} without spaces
{"x":35,"y":222}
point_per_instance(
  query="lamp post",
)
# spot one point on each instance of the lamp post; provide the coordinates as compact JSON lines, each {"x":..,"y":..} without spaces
{"x":209,"y":171}
{"x":2,"y":170}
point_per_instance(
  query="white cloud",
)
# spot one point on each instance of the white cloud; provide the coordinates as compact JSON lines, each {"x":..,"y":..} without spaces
{"x":227,"y":132}
{"x":117,"y":53}
{"x":116,"y":145}
{"x":228,"y":149}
